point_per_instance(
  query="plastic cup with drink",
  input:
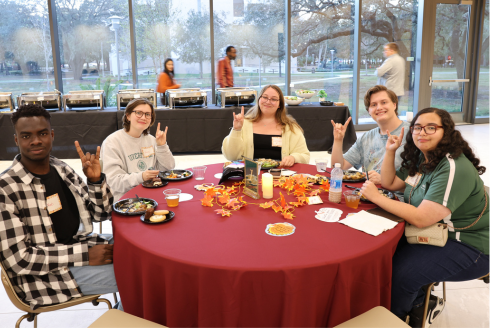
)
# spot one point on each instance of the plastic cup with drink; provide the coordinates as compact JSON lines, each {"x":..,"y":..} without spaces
{"x":172,"y":197}
{"x":352,"y":198}
{"x":321,"y":164}
{"x":199,"y":172}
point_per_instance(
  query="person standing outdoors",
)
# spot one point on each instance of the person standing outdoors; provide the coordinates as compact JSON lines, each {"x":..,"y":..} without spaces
{"x":166,"y":79}
{"x":392,"y":72}
{"x":225,"y":72}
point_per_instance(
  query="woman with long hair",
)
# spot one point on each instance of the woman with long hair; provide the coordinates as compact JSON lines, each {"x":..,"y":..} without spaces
{"x":166,"y":79}
{"x":267,"y":131}
{"x":440,"y":177}
{"x":131,"y":155}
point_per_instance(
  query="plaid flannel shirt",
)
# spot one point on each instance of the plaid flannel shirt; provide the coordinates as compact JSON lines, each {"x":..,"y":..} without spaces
{"x":36,"y":264}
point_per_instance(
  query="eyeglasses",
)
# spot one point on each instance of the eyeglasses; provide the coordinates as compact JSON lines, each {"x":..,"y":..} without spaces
{"x":272,"y":100}
{"x":139,"y":114}
{"x":429,"y":129}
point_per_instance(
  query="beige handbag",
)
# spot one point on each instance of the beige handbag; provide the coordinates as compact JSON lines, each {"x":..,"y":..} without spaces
{"x":436,"y":234}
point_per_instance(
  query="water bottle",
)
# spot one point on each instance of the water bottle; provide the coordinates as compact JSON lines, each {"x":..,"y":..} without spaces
{"x":335,"y":193}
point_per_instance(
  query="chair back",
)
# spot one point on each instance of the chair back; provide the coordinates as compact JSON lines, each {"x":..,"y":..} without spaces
{"x":14,"y":298}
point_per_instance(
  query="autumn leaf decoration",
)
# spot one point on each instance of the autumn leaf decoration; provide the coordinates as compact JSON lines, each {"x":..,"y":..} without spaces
{"x":207,"y":201}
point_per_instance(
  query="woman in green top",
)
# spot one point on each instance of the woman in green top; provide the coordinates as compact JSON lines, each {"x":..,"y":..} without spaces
{"x":440,"y":178}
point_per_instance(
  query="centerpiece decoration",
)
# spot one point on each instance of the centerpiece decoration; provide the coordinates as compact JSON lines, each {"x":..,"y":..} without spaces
{"x":231,"y":200}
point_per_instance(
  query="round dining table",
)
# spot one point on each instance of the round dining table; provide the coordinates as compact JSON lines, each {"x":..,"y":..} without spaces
{"x":208,"y":270}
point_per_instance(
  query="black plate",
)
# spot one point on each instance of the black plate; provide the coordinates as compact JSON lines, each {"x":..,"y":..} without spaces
{"x":169,"y":217}
{"x":350,"y":180}
{"x":388,"y":193}
{"x":326,"y":103}
{"x":164,"y":175}
{"x":149,"y":184}
{"x":119,"y":206}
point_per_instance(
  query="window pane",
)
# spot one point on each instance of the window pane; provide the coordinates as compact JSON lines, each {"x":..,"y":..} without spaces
{"x":322,"y":49}
{"x":26,"y":63}
{"x":167,"y":29}
{"x":482,"y":105}
{"x":384,"y":22}
{"x":258,"y":38}
{"x":92,"y":44}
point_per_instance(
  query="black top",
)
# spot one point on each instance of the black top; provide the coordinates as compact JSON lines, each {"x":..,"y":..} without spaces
{"x":67,"y":220}
{"x":263,"y":147}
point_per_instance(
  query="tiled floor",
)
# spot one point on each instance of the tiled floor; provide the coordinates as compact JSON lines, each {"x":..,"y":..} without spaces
{"x":467,"y":302}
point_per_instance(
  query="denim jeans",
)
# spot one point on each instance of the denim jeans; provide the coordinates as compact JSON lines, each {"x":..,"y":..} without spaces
{"x":98,"y":279}
{"x":415,"y":266}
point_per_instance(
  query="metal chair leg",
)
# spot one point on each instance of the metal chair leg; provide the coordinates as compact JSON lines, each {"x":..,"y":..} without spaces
{"x":426,"y":302}
{"x":115,"y":298}
{"x":97,"y":301}
{"x":25,"y":316}
{"x":444,"y":290}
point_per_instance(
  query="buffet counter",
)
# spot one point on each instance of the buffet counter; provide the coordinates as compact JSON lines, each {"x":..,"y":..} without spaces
{"x":190,"y":130}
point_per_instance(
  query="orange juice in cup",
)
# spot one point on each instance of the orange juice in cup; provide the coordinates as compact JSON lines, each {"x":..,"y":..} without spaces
{"x":172,"y":197}
{"x":352,"y":199}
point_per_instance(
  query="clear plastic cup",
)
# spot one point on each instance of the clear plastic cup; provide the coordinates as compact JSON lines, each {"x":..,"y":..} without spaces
{"x":199,"y":172}
{"x":172,"y":197}
{"x":352,"y":198}
{"x":321,"y":164}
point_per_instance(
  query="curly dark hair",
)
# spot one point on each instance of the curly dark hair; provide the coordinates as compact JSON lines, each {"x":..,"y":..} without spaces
{"x":131,"y":107}
{"x":452,"y":142}
{"x":30,"y":110}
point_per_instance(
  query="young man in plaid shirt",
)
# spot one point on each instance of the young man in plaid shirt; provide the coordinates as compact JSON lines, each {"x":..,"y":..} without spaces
{"x":46,"y":213}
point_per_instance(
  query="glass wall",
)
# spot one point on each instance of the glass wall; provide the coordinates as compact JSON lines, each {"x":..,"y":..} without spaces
{"x":94,"y":46}
{"x":322,"y":49}
{"x":25,"y":48}
{"x":383,"y":22}
{"x":257,"y":34}
{"x":482,"y":104}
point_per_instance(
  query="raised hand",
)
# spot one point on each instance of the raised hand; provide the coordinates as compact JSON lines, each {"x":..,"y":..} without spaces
{"x":161,"y":136}
{"x":394,"y":141}
{"x":90,"y":163}
{"x":238,"y":120}
{"x":339,"y":129}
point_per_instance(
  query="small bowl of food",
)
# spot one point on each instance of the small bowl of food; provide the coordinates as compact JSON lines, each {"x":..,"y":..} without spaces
{"x":293,"y":100}
{"x":307,"y":94}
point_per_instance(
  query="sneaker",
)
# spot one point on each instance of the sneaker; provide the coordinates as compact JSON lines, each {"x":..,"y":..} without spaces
{"x":436,"y":305}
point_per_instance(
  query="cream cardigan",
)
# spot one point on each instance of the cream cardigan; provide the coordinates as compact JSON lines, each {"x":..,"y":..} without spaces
{"x":240,"y":143}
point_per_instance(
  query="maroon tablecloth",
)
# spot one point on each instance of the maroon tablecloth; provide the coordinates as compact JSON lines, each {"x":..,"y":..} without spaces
{"x":202,"y":269}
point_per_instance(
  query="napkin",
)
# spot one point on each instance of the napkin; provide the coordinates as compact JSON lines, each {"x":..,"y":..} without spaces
{"x":369,"y":223}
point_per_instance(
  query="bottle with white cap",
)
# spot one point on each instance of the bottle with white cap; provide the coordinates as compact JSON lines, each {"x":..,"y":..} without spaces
{"x":335,"y":193}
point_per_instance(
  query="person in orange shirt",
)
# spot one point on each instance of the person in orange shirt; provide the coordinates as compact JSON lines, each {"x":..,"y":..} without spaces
{"x":166,"y":79}
{"x":225,"y":72}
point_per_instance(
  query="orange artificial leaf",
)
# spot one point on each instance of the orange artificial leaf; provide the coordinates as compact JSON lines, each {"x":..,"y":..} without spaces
{"x":325,"y":185}
{"x":237,"y":207}
{"x":289,"y":184}
{"x":232,"y":202}
{"x":238,"y":183}
{"x":224,"y":199}
{"x":210,"y":192}
{"x":266,"y":205}
{"x":231,"y":189}
{"x":296,"y":204}
{"x":287,"y":207}
{"x":315,"y":192}
{"x":288,"y":215}
{"x":283,"y":201}
{"x":277,"y":183}
{"x":301,"y":179}
{"x":299,"y":190}
{"x":303,"y":199}
{"x":207,"y":201}
{"x":277,"y":208}
{"x":223,"y":212}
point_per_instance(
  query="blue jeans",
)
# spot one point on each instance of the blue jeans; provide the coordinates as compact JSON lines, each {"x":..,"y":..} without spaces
{"x":415,"y":266}
{"x":98,"y":279}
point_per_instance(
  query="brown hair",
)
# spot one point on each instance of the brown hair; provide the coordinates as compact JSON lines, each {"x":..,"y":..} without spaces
{"x":393,"y":46}
{"x":131,"y":107}
{"x":452,"y":142}
{"x":254,"y":114}
{"x":376,"y":89}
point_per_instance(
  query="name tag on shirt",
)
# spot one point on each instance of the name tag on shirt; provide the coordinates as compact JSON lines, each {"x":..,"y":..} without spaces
{"x":276,"y":141}
{"x":147,"y":151}
{"x":413,"y":180}
{"x":54,"y":203}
